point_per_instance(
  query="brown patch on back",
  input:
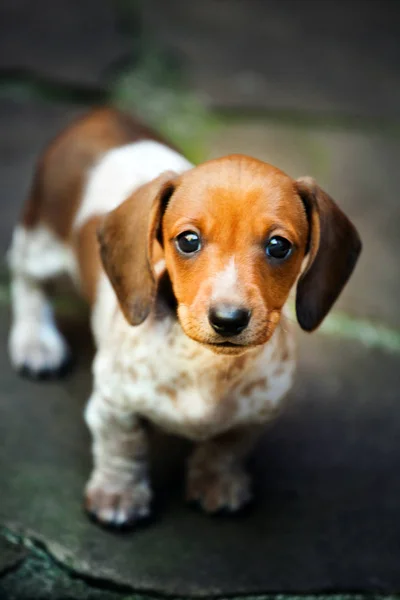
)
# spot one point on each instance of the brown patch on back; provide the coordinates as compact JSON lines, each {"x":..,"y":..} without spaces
{"x":62,"y":170}
{"x":87,"y":251}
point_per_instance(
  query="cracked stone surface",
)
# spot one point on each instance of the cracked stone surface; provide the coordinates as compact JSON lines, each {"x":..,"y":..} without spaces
{"x":358,"y":167}
{"x":11,"y":555}
{"x":329,"y":56}
{"x":326,"y":515}
{"x":70,"y":42}
{"x":39,"y":577}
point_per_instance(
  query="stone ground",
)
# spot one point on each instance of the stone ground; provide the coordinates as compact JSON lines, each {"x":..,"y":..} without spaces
{"x":314,"y":89}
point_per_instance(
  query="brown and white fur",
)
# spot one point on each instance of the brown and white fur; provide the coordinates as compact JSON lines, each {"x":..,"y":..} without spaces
{"x":158,"y":356}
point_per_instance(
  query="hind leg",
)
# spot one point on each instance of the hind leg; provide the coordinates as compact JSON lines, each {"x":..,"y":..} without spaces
{"x":36,"y":347}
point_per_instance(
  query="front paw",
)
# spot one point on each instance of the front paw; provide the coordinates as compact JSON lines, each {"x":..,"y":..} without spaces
{"x":38,"y":352}
{"x":225,"y":490}
{"x":118,"y":506}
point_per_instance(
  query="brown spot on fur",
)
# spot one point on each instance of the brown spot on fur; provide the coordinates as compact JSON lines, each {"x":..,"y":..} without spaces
{"x":238,"y":365}
{"x":280,"y":370}
{"x":248,"y":389}
{"x":227,"y":409}
{"x":182,"y":380}
{"x":241,"y":361}
{"x":133,"y":374}
{"x":167,"y":390}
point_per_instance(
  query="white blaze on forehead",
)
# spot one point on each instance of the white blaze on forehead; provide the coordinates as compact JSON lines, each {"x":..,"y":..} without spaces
{"x":226,"y":282}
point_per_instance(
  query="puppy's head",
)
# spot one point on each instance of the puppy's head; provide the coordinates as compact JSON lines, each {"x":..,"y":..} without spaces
{"x":234,"y":232}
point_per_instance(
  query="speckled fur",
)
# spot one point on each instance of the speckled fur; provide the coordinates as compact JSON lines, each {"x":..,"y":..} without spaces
{"x":157,"y":372}
{"x":160,"y":373}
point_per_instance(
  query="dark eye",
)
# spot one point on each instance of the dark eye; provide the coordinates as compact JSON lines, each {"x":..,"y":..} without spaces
{"x":188,"y":242}
{"x":278,"y":247}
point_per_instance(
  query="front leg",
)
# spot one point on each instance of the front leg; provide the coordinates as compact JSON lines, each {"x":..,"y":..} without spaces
{"x":217,"y":478}
{"x":118,"y":492}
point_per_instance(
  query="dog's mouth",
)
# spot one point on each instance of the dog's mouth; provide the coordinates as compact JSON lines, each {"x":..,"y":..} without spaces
{"x":221,"y":346}
{"x":227,"y":347}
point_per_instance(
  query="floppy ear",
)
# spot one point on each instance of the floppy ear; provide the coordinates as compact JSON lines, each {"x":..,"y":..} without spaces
{"x":126,"y":239}
{"x":334,"y":247}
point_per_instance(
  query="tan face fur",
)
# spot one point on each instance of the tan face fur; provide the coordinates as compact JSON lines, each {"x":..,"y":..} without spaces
{"x":235,"y":205}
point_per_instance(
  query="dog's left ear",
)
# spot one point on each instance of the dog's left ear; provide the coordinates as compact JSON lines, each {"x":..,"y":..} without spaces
{"x":126,"y":239}
{"x":334,"y":247}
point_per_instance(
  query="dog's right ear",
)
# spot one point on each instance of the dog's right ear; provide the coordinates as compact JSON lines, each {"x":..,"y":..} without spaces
{"x":126,"y":238}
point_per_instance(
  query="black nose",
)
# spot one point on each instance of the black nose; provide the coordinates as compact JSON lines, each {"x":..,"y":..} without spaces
{"x":228,"y":320}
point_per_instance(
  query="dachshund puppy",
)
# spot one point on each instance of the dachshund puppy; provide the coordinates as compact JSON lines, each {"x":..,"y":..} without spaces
{"x":187,"y":270}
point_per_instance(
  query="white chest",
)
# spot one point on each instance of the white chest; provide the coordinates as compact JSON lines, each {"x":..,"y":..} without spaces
{"x":156,"y":371}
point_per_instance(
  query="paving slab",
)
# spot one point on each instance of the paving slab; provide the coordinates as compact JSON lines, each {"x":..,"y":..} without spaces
{"x":326,"y":515}
{"x":69,"y":42}
{"x":328,"y":56}
{"x":39,"y":577}
{"x":358,"y":167}
{"x":26,"y":126}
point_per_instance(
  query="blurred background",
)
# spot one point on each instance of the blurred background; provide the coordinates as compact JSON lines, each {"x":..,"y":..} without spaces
{"x":313,"y":87}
